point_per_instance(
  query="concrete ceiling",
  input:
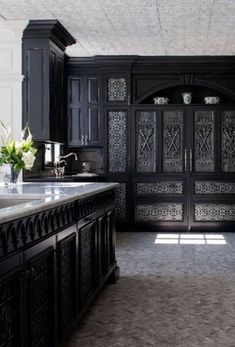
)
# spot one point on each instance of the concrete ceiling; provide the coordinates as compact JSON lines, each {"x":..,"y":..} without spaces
{"x":137,"y":27}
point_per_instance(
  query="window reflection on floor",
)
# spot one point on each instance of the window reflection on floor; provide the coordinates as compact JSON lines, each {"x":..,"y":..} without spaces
{"x":190,"y":239}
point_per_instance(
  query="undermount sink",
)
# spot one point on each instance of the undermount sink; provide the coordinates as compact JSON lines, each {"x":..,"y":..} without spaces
{"x":13,"y":202}
{"x":85,"y":174}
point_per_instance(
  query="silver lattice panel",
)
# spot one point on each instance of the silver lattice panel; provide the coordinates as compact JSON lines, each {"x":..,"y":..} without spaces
{"x":117,"y":89}
{"x":117,"y":141}
{"x":166,"y":212}
{"x":159,"y":188}
{"x":207,"y":212}
{"x":214,"y":188}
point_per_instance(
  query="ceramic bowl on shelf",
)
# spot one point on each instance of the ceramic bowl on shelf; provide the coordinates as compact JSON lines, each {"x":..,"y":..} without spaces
{"x":160,"y":100}
{"x":212,"y":100}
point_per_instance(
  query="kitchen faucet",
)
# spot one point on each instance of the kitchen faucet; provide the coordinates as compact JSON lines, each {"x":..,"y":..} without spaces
{"x":59,"y":170}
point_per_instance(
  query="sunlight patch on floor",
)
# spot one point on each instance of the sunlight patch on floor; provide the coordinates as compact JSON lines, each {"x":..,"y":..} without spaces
{"x":190,"y":239}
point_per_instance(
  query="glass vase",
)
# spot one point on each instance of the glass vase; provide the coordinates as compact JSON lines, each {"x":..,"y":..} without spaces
{"x":10,"y":176}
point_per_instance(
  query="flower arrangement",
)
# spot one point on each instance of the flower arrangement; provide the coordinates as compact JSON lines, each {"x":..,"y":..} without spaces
{"x":20,"y":155}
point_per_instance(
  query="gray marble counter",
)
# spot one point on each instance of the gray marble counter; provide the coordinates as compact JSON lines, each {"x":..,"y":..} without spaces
{"x":43,"y":196}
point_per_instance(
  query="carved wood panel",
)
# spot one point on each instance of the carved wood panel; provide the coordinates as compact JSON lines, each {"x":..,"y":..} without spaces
{"x":109,"y":239}
{"x":9,"y":318}
{"x":172,"y":141}
{"x":101,"y":238}
{"x":228,"y":141}
{"x":67,"y":281}
{"x":41,"y":295}
{"x":146,"y":135}
{"x":204,"y":138}
{"x":87,"y":239}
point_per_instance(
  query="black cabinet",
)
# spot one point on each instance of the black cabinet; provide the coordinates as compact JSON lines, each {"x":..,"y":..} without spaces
{"x":67,"y":284}
{"x":87,"y":258}
{"x":46,"y":286}
{"x":44,"y":44}
{"x":84,"y":113}
{"x":10,"y":308}
{"x":39,"y":299}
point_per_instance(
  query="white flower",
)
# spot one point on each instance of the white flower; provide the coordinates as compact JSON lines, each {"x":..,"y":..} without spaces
{"x":28,"y":159}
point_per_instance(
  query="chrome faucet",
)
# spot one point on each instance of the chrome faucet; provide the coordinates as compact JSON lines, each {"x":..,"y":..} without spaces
{"x":69,"y":155}
{"x":59,"y":170}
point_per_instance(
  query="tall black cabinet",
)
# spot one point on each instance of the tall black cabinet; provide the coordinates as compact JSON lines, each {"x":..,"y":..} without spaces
{"x":44,"y":43}
{"x":175,"y":163}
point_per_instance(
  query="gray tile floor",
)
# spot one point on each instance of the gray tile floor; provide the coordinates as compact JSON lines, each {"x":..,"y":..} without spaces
{"x":174,"y":290}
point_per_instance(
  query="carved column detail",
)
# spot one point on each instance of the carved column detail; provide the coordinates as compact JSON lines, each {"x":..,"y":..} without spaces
{"x":146,"y":142}
{"x":172,"y":141}
{"x":204,"y":134}
{"x":228,"y":141}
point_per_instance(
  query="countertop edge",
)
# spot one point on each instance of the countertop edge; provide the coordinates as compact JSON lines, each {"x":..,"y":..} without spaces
{"x":40,"y":205}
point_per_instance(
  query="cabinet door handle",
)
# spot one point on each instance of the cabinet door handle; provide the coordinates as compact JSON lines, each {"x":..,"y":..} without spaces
{"x":82,"y":140}
{"x":88,"y":219}
{"x":86,"y":140}
{"x":191,"y":160}
{"x":185,"y":159}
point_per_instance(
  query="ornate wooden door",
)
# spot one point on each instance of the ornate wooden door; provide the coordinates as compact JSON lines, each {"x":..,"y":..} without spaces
{"x":184,"y":167}
{"x":211,"y":177}
{"x":161,"y":173}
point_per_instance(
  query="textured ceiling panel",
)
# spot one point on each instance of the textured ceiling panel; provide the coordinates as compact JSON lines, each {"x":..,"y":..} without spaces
{"x":137,"y":27}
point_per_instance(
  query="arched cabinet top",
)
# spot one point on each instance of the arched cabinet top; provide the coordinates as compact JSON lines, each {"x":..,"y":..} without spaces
{"x":173,"y":91}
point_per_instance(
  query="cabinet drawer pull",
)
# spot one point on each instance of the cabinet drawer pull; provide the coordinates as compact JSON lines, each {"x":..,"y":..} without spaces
{"x":88,"y":219}
{"x":86,"y":140}
{"x":82,"y":140}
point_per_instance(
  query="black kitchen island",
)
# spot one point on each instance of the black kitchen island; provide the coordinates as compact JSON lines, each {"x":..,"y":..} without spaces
{"x":57,"y":251}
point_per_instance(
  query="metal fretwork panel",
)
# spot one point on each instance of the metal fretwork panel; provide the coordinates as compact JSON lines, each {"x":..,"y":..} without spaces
{"x":146,"y":142}
{"x":117,"y":89}
{"x":205,"y":187}
{"x":204,"y":138}
{"x":172,"y":141}
{"x":210,"y":212}
{"x":120,"y":202}
{"x":159,"y":188}
{"x":228,"y":141}
{"x":165,"y":212}
{"x":117,"y":141}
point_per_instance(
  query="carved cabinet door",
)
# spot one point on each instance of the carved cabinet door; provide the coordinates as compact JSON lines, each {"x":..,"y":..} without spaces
{"x":184,"y":167}
{"x":160,"y":181}
{"x":211,"y":147}
{"x":10,"y":311}
{"x":86,"y":275}
{"x":40,"y":297}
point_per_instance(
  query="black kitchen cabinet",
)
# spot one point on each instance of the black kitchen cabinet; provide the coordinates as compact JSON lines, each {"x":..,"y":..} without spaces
{"x":44,"y":43}
{"x":39,"y":300}
{"x":87,"y":258}
{"x":51,"y":267}
{"x":84,"y":112}
{"x":67,"y":283}
{"x":10,"y":310}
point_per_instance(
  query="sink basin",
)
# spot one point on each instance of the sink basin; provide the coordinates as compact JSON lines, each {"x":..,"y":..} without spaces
{"x":85,"y":174}
{"x":13,"y":202}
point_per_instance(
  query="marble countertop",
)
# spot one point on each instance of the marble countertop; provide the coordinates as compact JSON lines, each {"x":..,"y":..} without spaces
{"x":45,"y":195}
